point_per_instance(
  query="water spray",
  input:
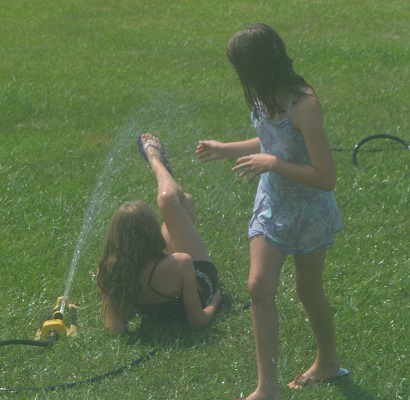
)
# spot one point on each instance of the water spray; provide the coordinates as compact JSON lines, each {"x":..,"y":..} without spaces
{"x":55,"y":322}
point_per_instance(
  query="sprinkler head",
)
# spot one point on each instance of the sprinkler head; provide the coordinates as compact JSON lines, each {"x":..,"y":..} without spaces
{"x":58,"y":315}
{"x":55,"y":325}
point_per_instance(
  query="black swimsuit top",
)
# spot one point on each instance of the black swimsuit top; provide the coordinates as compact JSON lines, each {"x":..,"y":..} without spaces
{"x":173,"y":306}
{"x":150,"y":279}
{"x":207,"y":283}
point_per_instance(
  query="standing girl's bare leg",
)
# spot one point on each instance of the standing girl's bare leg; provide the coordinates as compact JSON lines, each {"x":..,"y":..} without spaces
{"x":266,"y":263}
{"x":309,"y":271}
{"x":176,"y":207}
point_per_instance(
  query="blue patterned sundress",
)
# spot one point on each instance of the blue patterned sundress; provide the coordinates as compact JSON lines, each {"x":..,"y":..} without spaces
{"x":293,"y":217}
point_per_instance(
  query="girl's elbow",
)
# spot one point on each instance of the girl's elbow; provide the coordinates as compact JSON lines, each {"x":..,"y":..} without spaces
{"x":200,"y":321}
{"x":329,"y":184}
{"x":325,"y":179}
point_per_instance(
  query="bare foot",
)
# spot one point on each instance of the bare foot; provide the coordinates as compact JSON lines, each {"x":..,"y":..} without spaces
{"x":257,"y":395}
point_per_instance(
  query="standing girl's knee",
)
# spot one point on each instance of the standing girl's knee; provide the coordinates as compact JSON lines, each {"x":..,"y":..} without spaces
{"x":302,"y":291}
{"x":261,"y":290}
{"x":310,"y":294}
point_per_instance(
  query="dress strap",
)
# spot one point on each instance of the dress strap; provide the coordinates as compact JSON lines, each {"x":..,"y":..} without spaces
{"x":290,"y":106}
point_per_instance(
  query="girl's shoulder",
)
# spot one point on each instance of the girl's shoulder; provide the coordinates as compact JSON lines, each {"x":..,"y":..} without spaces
{"x":165,"y":277}
{"x":178,"y":258}
{"x":307,"y":112}
{"x":306,"y":101}
{"x":305,"y":95}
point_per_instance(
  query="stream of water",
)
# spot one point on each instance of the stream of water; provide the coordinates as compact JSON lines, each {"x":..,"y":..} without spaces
{"x":110,"y":173}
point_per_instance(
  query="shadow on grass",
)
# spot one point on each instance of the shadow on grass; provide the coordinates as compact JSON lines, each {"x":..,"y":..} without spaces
{"x":352,"y":391}
{"x":175,"y":331}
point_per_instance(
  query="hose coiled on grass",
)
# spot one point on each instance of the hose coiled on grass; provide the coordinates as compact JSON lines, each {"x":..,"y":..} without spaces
{"x":371,"y":137}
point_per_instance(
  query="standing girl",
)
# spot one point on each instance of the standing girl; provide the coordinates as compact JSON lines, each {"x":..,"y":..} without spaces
{"x":295,"y":212}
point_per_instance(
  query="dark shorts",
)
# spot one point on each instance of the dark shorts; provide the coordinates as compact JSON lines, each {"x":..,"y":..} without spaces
{"x":207,"y":280}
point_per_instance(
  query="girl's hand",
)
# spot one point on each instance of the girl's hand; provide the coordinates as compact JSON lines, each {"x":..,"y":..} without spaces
{"x":209,"y":150}
{"x":255,"y":164}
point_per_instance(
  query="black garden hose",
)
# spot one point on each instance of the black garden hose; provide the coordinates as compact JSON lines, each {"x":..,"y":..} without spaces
{"x":88,"y":380}
{"x":27,"y":342}
{"x":371,"y":137}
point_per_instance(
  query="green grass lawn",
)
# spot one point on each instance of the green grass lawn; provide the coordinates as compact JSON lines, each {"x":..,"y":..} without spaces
{"x":81,"y":79}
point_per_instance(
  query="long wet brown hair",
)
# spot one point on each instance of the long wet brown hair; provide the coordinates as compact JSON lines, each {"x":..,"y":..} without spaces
{"x":259,"y":56}
{"x":133,"y":238}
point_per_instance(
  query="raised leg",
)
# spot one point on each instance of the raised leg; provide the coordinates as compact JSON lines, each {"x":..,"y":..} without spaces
{"x":188,"y":204}
{"x":176,"y":207}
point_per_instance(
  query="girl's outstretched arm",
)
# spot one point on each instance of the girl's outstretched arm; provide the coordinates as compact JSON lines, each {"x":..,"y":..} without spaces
{"x":210,"y":150}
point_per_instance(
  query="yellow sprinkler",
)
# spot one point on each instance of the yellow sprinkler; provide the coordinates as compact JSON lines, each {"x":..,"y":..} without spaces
{"x":54,"y":326}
